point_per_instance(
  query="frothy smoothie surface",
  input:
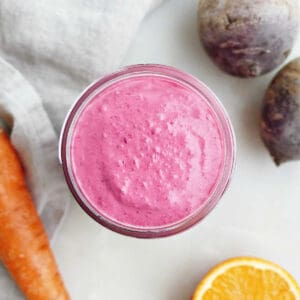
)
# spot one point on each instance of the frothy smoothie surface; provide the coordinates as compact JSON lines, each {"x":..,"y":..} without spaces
{"x":147,"y":151}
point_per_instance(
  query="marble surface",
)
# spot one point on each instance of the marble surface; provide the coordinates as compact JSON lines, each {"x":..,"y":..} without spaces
{"x":259,"y":215}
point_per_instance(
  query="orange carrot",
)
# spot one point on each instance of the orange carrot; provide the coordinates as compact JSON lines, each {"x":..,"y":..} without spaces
{"x":24,"y":246}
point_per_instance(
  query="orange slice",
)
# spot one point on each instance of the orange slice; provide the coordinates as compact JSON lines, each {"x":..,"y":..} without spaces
{"x":247,"y":278}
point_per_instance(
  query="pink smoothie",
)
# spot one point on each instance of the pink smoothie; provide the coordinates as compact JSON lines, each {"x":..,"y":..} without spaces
{"x":147,"y":151}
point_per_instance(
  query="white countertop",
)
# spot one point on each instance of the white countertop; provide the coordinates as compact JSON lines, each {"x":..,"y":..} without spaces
{"x":259,"y":215}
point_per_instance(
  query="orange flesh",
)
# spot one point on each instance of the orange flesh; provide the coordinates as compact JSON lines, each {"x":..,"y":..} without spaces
{"x":249,"y":283}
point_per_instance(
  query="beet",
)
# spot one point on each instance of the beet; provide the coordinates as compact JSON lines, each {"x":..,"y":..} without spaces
{"x":248,"y":38}
{"x":280,"y":124}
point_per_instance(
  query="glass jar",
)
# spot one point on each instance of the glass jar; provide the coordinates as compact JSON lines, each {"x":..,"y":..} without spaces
{"x":169,"y":77}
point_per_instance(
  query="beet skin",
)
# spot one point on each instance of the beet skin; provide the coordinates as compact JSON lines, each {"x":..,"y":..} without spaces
{"x":280,"y":124}
{"x":248,"y":38}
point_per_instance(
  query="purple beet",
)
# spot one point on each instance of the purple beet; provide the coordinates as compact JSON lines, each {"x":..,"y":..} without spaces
{"x":280,"y":124}
{"x":248,"y":38}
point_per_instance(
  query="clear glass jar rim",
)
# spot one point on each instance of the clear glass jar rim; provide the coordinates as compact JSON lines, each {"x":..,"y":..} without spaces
{"x":213,"y":101}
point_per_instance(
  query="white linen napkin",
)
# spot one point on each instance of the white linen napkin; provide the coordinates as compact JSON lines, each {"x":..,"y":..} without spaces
{"x":59,"y":47}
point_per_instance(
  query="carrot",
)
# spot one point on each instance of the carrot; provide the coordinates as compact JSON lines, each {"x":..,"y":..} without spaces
{"x":24,"y":246}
